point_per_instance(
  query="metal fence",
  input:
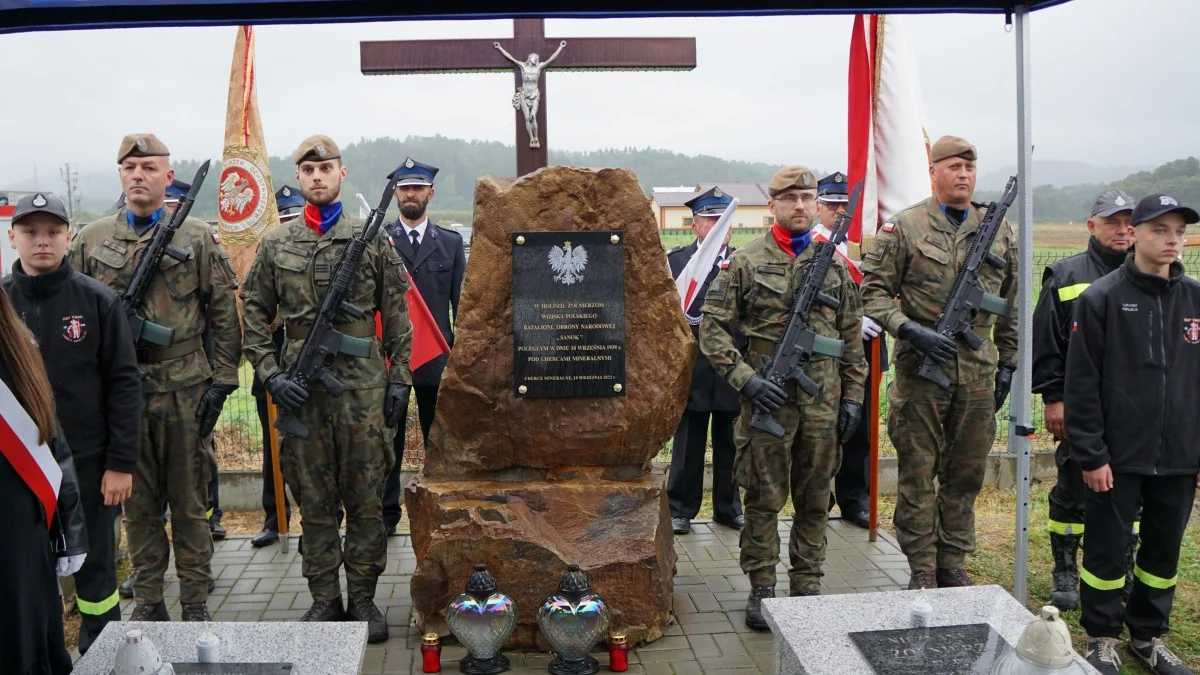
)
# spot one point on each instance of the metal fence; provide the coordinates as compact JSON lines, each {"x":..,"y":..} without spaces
{"x":239,"y":434}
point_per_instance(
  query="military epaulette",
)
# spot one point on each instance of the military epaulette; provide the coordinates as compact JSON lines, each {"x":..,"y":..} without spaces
{"x":447,"y":230}
{"x":677,"y":249}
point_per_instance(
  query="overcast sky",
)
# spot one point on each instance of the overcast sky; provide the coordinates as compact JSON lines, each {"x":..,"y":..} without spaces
{"x":1114,"y":83}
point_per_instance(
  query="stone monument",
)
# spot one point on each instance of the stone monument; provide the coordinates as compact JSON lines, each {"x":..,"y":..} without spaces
{"x":569,"y":372}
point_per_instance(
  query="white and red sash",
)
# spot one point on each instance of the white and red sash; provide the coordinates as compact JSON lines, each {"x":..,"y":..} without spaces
{"x":33,"y":461}
{"x":822,"y":234}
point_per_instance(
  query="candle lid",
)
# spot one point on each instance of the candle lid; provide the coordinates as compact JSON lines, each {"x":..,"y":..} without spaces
{"x":617,"y":638}
{"x":430,"y":639}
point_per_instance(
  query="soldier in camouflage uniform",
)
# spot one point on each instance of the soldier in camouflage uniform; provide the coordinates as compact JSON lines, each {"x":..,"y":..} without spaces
{"x":182,"y":393}
{"x":347,"y":457}
{"x":757,"y":292}
{"x":942,"y":434}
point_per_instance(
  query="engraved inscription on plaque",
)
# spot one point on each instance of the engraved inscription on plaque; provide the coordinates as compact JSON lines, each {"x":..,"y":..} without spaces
{"x":568,"y":314}
{"x":947,"y":650}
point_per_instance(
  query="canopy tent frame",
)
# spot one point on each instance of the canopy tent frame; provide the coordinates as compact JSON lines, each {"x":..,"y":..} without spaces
{"x":40,"y":15}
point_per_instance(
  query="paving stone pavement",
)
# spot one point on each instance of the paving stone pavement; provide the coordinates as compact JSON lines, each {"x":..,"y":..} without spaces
{"x":709,"y":635}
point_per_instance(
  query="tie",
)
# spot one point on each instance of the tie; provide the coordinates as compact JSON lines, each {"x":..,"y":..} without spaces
{"x":416,"y":241}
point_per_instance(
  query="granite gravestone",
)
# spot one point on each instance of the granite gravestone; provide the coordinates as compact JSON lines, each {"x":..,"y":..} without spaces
{"x":531,"y":481}
{"x":568,"y":314}
{"x":873,"y":633}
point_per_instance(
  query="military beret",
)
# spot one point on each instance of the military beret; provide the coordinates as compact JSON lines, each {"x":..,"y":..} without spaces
{"x":794,"y":176}
{"x":952,"y":146}
{"x":141,"y":145}
{"x":316,"y":149}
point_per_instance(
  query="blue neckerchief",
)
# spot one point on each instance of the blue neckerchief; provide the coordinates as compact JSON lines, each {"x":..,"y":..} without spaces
{"x":801,"y":241}
{"x":956,"y":216}
{"x":142,"y":225}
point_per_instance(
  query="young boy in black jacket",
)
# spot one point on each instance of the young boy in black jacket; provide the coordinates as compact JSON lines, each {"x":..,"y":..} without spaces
{"x":1132,"y":374}
{"x":85,"y":342}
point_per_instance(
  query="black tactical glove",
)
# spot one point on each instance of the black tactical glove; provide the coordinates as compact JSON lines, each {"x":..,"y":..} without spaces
{"x":765,"y":395}
{"x":286,"y":392}
{"x":1004,"y":376}
{"x":209,"y":408}
{"x":849,"y":417}
{"x":929,"y":342}
{"x":395,"y":404}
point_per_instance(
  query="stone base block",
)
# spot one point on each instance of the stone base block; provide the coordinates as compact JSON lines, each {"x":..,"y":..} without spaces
{"x":618,"y":532}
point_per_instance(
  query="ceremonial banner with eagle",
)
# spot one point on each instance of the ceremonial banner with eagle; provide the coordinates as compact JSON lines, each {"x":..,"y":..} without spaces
{"x":246,"y":199}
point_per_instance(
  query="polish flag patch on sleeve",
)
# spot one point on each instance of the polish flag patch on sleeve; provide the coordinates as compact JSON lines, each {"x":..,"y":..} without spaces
{"x":888,"y":227}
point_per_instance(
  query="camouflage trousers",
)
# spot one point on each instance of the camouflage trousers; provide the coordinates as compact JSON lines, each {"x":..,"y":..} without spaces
{"x":945,"y":435}
{"x":344,"y":461}
{"x":175,"y":465}
{"x":801,"y":464}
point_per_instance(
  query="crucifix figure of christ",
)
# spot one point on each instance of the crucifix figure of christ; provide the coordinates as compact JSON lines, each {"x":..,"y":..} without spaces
{"x":592,"y":54}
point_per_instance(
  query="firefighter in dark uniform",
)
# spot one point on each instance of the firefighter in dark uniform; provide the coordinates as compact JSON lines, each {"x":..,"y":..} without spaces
{"x":1062,"y":283}
{"x":435,"y":258}
{"x":710,"y":397}
{"x":1132,"y":378}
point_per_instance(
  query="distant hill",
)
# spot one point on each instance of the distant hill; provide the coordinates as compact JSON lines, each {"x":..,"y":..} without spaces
{"x":1059,"y":173}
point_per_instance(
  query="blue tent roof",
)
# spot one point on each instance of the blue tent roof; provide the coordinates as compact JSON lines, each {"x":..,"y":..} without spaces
{"x":29,"y":15}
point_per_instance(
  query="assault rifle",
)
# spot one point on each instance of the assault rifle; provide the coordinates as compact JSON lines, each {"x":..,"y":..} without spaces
{"x":796,"y":347}
{"x":324,"y":341}
{"x":160,"y":245}
{"x":967,"y":298}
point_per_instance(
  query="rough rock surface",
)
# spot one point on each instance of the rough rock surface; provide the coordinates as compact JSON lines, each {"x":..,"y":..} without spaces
{"x":618,"y":532}
{"x":481,"y":426}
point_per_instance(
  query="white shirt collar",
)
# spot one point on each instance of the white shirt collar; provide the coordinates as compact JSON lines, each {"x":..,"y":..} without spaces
{"x":420,"y":229}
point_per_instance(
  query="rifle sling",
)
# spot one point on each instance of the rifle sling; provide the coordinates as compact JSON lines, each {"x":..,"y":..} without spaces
{"x":358,"y":329}
{"x":181,"y":348}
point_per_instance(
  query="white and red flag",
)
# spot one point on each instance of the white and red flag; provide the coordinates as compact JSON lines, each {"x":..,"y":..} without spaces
{"x":889,"y":149}
{"x":693,"y":275}
{"x":33,"y":461}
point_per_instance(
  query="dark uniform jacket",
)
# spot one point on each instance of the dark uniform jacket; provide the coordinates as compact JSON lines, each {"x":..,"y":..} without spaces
{"x":85,"y":342}
{"x":709,"y":392}
{"x":1132,"y":371}
{"x":437,"y":270}
{"x":1062,"y":283}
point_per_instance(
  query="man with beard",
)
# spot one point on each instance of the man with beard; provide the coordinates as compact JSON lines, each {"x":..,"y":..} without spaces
{"x":1062,"y":284}
{"x":756,"y":292}
{"x":434,"y":257}
{"x":182,"y":393}
{"x":348,"y":452}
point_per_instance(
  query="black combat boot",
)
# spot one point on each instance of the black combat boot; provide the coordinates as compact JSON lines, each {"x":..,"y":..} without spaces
{"x":155,"y":612}
{"x":196,"y":611}
{"x":754,"y":615}
{"x":325,"y":610}
{"x":364,"y":609}
{"x":1064,"y":589}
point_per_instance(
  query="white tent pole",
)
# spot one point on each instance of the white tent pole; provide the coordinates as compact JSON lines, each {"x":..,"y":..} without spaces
{"x":1020,"y":429}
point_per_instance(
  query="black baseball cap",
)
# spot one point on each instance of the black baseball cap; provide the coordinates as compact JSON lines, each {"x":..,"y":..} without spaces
{"x":40,"y":203}
{"x":1153,"y":206}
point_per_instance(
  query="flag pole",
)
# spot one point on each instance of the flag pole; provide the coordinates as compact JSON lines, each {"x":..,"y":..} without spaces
{"x":280,"y":504}
{"x":874,"y":377}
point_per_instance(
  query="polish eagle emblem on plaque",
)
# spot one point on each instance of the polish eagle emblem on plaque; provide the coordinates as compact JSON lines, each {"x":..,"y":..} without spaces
{"x":567,"y":263}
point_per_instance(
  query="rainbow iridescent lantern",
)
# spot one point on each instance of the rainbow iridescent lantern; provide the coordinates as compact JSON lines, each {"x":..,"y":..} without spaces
{"x":482,"y":619}
{"x":573,"y":620}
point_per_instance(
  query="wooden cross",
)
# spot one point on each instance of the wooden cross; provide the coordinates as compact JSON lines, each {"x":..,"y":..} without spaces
{"x":529,"y":37}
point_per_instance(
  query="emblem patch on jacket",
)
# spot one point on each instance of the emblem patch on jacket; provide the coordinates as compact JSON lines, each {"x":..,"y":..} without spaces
{"x":74,"y":329}
{"x":1191,"y":330}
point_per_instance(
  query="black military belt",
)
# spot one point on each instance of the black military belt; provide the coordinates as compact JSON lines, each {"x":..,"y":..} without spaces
{"x":181,"y":348}
{"x":358,"y":329}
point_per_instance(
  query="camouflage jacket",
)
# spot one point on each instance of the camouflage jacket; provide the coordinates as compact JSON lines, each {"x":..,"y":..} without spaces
{"x":185,"y":296}
{"x":292,"y":270}
{"x":916,"y":256}
{"x":757,"y":292}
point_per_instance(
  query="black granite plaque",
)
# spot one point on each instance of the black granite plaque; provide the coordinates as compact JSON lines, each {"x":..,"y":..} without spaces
{"x":568,"y":314}
{"x":232,"y":668}
{"x":946,"y":650}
